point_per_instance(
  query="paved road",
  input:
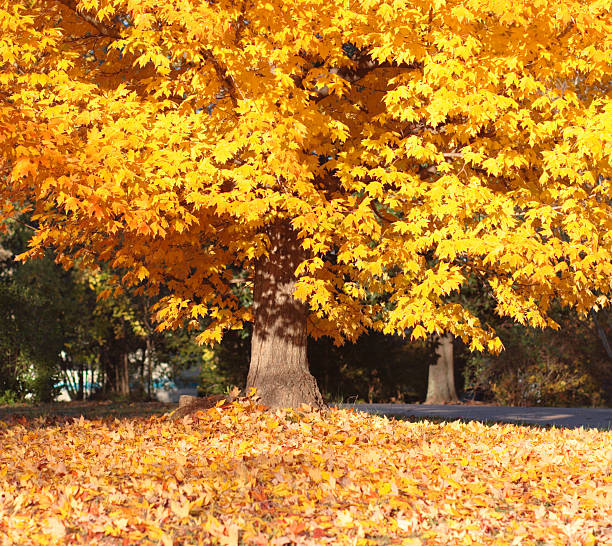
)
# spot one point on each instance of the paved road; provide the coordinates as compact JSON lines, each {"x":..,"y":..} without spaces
{"x":559,"y":417}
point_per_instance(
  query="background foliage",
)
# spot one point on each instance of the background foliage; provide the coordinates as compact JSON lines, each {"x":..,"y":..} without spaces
{"x":565,"y":367}
{"x":55,"y":331}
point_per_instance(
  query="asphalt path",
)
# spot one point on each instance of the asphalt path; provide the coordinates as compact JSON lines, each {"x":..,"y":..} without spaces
{"x":599,"y":418}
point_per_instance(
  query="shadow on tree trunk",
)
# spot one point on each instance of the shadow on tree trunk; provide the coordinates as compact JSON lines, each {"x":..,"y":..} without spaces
{"x":279,"y":364}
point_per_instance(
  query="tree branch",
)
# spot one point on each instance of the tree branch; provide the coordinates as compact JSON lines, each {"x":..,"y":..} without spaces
{"x":363,"y":64}
{"x":25,"y":224}
{"x":102,"y":29}
{"x":223,"y":76}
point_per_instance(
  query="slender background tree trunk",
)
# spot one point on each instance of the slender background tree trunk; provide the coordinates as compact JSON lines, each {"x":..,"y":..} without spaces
{"x":81,"y":391}
{"x":441,"y":382}
{"x":124,"y":384}
{"x":149,"y":359}
{"x":279,"y":363}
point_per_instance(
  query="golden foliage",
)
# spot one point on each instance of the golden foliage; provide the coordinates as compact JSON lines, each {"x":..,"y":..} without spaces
{"x":235,"y":474}
{"x":412,"y":144}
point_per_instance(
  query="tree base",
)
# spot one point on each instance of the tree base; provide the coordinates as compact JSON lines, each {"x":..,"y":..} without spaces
{"x":289,"y":391}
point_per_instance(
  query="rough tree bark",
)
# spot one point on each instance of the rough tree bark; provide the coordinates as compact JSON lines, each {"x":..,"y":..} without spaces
{"x":441,"y":382}
{"x":279,"y":363}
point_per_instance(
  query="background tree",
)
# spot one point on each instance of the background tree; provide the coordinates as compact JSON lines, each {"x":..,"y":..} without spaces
{"x":184,"y":143}
{"x":40,"y":308}
{"x":441,"y":378}
{"x":566,"y":367}
{"x":55,"y":331}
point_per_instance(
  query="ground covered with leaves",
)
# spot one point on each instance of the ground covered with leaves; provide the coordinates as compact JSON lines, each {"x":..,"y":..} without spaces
{"x":237,"y":474}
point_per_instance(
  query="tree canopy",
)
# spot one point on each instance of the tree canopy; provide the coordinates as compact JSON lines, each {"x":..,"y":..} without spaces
{"x":373,"y":154}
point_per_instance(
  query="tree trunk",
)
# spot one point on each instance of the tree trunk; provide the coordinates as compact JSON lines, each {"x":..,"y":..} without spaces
{"x":110,"y":373}
{"x":149,"y":360}
{"x":124,"y":376}
{"x":81,"y":391}
{"x":441,"y":383}
{"x":279,"y":363}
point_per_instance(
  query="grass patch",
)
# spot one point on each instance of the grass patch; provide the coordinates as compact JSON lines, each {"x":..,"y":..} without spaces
{"x":88,"y":409}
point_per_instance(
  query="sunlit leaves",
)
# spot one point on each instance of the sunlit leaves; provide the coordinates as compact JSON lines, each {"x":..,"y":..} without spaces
{"x":413,"y":145}
{"x":240,"y":475}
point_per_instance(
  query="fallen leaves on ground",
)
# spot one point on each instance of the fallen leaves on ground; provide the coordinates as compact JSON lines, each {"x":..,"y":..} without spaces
{"x":237,"y":474}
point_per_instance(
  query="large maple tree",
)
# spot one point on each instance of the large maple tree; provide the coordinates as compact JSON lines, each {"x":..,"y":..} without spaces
{"x":353,"y":162}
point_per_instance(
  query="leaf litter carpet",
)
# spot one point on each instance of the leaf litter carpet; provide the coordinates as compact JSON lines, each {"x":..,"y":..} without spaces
{"x":240,"y":474}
